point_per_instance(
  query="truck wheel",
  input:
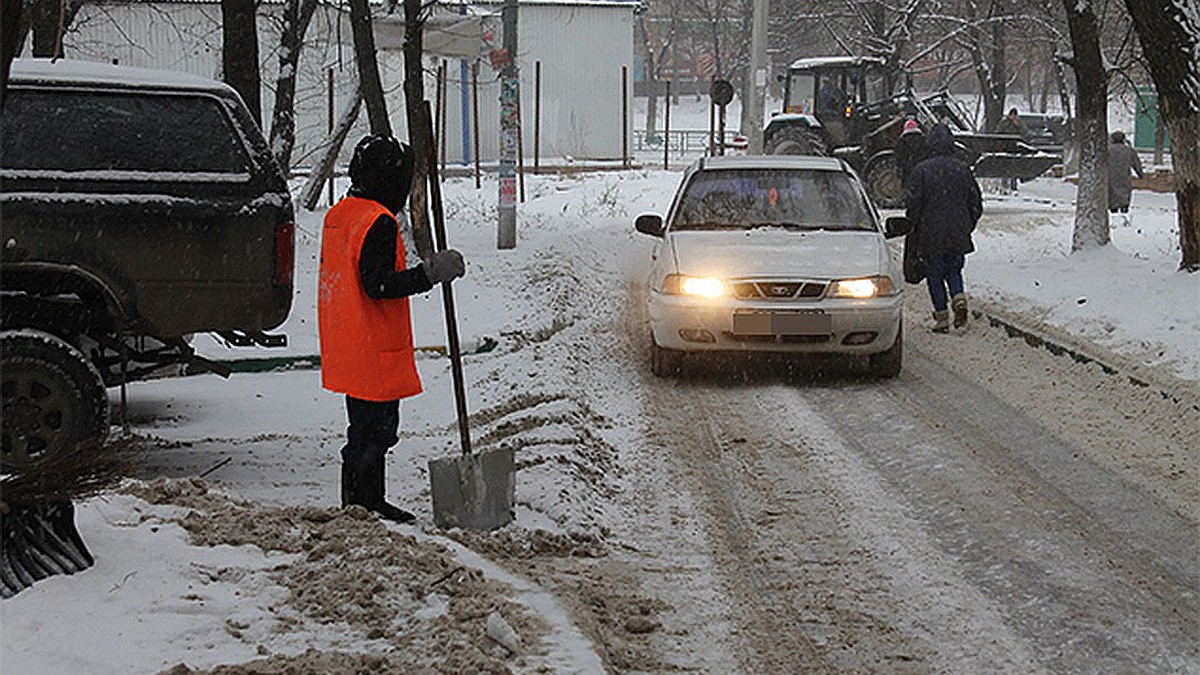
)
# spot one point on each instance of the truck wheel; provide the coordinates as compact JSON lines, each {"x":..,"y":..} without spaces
{"x":887,"y":363}
{"x":53,"y":398}
{"x":801,"y":141}
{"x":884,"y":183}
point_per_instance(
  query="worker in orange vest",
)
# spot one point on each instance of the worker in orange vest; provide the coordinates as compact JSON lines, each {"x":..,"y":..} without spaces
{"x":363,"y":313}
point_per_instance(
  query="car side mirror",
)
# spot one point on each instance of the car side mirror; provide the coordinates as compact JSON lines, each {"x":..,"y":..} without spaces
{"x":896,"y":226}
{"x":649,"y":223}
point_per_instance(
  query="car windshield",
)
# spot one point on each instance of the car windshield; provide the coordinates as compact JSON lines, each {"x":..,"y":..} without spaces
{"x":794,"y":199}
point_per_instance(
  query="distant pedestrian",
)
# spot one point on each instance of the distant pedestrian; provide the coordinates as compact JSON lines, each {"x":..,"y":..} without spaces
{"x":1122,"y":159}
{"x":910,"y":149}
{"x":363,"y":313}
{"x":1013,"y":125}
{"x":944,"y":204}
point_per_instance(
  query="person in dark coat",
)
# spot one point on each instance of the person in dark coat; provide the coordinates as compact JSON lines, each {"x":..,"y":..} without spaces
{"x":910,"y":149}
{"x":1121,"y":160}
{"x":944,"y":204}
{"x":1013,"y":125}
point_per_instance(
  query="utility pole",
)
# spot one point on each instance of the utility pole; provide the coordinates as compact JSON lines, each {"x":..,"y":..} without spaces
{"x":758,"y":73}
{"x":509,"y":130}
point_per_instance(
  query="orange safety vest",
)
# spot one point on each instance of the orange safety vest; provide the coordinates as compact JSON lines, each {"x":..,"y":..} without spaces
{"x":366,"y":344}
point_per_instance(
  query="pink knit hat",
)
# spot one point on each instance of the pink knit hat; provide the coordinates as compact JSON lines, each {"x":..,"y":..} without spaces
{"x":911,"y":125}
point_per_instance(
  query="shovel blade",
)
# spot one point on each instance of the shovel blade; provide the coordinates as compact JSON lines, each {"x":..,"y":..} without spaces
{"x":475,"y":491}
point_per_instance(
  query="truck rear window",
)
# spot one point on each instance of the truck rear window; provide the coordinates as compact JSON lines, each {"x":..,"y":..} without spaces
{"x":72,"y":130}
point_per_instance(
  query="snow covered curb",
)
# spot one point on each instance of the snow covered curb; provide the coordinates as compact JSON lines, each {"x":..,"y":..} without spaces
{"x":1061,"y":343}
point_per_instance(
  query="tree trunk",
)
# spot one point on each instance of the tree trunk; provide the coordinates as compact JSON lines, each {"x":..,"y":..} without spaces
{"x":420,"y":131}
{"x":651,"y":108}
{"x":239,"y":53}
{"x":44,"y":19}
{"x":1091,"y":83}
{"x":311,"y":192}
{"x":49,"y":21}
{"x":10,"y":44}
{"x":368,"y":67}
{"x":296,"y":16}
{"x":1185,"y":157}
{"x":1171,"y":42}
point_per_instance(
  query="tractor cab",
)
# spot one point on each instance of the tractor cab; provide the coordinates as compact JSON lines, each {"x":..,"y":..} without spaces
{"x":836,"y":91}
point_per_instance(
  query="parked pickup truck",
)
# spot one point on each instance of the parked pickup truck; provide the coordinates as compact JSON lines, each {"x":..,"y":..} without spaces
{"x":137,"y":207}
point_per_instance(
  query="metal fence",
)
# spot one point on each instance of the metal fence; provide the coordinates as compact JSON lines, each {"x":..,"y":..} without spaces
{"x":682,"y":142}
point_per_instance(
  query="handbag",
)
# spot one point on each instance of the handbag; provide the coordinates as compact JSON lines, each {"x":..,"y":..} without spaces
{"x":914,"y":265}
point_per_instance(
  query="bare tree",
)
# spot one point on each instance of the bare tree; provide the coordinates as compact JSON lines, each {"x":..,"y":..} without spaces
{"x":656,"y":30}
{"x":420,"y":131}
{"x":1091,"y":82}
{"x":1171,"y":41}
{"x":239,"y":53}
{"x":368,"y":67}
{"x":297,"y":14}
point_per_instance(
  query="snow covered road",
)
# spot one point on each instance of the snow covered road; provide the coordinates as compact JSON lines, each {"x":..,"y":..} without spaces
{"x":996,"y":508}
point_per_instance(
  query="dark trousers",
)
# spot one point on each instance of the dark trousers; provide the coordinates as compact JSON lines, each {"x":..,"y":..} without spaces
{"x":943,"y":270}
{"x":372,"y":430}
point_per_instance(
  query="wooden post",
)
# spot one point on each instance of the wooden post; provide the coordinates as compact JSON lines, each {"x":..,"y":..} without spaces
{"x":520,"y":146}
{"x":721,"y":131}
{"x":475,"y":115}
{"x":444,"y":119}
{"x":712,"y":126}
{"x":436,"y":117}
{"x":625,"y":116}
{"x":667,"y":128}
{"x":332,"y":114}
{"x":537,"y":115}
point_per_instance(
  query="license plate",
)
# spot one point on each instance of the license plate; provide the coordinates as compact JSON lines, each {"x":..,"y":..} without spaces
{"x":779,"y":323}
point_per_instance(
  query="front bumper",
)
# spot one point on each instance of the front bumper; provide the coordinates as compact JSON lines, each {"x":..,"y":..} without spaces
{"x":830,"y":326}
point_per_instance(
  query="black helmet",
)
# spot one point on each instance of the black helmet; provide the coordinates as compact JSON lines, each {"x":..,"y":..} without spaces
{"x":382,"y":169}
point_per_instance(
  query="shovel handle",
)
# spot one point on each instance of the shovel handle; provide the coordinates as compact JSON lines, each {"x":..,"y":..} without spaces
{"x":439,"y":233}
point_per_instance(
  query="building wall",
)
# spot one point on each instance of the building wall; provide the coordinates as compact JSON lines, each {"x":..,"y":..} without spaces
{"x":582,"y":49}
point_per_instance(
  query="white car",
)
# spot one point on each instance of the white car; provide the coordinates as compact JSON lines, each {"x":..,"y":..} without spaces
{"x":778,"y":254}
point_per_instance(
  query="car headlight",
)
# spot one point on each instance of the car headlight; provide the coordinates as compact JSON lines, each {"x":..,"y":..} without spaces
{"x":704,"y":287}
{"x":861,"y":288}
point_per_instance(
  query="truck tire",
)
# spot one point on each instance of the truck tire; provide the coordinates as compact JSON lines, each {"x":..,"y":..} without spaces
{"x":887,"y":364}
{"x":796,"y":141}
{"x":53,"y":397}
{"x":884,"y":183}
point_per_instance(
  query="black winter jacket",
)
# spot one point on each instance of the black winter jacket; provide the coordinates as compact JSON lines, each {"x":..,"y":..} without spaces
{"x":943,"y":200}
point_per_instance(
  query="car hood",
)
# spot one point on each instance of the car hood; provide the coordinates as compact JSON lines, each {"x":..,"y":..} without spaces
{"x":780,"y":253}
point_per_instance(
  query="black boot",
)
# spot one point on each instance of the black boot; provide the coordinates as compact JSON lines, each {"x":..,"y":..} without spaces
{"x":364,"y":486}
{"x":347,"y":484}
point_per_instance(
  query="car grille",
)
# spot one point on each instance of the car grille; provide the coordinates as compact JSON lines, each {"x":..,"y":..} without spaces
{"x":779,"y":290}
{"x":777,"y":339}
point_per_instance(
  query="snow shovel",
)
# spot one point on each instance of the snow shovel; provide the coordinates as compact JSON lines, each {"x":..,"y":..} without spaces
{"x":474,"y":491}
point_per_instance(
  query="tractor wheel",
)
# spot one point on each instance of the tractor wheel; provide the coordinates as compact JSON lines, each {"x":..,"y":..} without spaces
{"x":53,"y":397}
{"x":884,"y":183}
{"x":797,"y":141}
